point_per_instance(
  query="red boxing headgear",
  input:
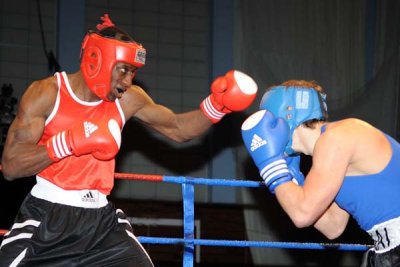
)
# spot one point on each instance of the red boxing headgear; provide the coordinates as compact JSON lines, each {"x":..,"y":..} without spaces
{"x":100,"y":53}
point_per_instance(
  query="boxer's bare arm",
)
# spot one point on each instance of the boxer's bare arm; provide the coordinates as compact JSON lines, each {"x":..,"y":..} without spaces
{"x":234,"y":91}
{"x":333,"y":222}
{"x":305,"y":205}
{"x":178,"y":127}
{"x":22,"y":156}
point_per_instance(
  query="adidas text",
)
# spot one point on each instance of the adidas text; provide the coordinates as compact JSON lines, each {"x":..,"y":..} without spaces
{"x":88,"y":197}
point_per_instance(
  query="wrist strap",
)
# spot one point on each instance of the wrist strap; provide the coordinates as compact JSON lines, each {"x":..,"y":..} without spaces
{"x":275,"y":173}
{"x":57,"y":147}
{"x":278,"y":182}
{"x":210,"y":110}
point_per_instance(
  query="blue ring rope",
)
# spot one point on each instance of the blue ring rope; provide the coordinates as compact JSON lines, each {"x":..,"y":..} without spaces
{"x":205,"y":181}
{"x":260,"y":244}
{"x":189,"y":241}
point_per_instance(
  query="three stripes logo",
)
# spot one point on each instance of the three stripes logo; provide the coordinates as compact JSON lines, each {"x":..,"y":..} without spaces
{"x":257,"y":142}
{"x":88,"y":197}
{"x":89,"y":128}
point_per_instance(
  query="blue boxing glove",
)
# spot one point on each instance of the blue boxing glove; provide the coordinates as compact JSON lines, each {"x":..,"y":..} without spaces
{"x":265,"y":138}
{"x":293,"y":163}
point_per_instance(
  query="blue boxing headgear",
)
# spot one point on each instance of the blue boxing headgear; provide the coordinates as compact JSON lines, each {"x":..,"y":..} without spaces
{"x":295,"y":104}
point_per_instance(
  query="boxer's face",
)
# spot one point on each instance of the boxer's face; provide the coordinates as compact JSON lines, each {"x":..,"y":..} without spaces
{"x":121,"y":80}
{"x":295,"y":139}
{"x":300,"y":140}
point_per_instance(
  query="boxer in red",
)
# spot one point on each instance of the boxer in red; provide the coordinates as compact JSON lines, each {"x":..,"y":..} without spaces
{"x":67,"y":133}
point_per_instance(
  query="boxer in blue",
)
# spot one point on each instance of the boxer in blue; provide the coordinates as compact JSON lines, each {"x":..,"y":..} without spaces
{"x":355,"y":167}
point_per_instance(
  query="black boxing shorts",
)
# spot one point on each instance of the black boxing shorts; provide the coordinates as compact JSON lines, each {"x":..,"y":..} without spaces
{"x":390,"y":258}
{"x":53,"y":234}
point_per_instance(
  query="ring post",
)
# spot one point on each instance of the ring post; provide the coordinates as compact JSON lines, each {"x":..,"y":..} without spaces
{"x":188,"y":223}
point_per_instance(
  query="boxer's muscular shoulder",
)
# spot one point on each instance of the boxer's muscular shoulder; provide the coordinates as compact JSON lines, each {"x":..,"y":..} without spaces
{"x":337,"y":142}
{"x":40,"y":97}
{"x":367,"y":147}
{"x":344,"y":130}
{"x":134,"y":99}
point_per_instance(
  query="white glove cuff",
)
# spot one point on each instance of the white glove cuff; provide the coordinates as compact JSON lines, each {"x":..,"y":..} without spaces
{"x":59,"y":145}
{"x":210,"y":111}
{"x":274,"y":170}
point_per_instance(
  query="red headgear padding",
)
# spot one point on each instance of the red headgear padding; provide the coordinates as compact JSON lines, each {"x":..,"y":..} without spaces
{"x":99,"y":56}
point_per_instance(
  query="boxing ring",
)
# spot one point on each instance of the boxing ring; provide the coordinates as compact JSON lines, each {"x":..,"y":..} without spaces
{"x":188,"y":241}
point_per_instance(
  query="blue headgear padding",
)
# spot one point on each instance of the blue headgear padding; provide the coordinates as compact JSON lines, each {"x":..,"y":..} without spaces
{"x":295,"y":105}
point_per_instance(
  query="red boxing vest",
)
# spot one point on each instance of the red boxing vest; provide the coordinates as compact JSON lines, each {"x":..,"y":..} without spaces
{"x":84,"y":172}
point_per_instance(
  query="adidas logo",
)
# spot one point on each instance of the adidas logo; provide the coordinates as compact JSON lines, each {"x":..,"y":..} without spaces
{"x":89,"y":128}
{"x":88,"y":197}
{"x":256,"y":142}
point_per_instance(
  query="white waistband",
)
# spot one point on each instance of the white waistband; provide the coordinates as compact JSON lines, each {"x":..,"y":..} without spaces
{"x":77,"y":198}
{"x":386,"y":235}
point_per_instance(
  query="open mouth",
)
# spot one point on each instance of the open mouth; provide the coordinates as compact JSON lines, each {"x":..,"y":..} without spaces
{"x":120,"y":90}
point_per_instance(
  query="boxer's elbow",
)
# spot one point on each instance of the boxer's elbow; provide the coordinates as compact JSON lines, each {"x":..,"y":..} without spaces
{"x":302,"y":221}
{"x":183,"y":136}
{"x":11,"y":168}
{"x":303,"y":218}
{"x":182,"y":139}
{"x":8,"y":171}
{"x":15,"y":171}
{"x":334,"y":234}
{"x":179,"y":139}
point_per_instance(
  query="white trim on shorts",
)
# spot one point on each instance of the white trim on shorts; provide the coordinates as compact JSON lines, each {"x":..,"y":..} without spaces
{"x":7,"y":239}
{"x":77,"y":198}
{"x":19,"y":258}
{"x":386,"y":235}
{"x":140,"y":245}
{"x":130,"y":234}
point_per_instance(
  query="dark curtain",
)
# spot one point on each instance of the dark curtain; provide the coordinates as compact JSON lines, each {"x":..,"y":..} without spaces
{"x":351,"y":48}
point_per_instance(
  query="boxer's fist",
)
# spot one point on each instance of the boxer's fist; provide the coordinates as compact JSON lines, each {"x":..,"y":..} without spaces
{"x":235,"y":91}
{"x":102,"y":139}
{"x":265,"y":138}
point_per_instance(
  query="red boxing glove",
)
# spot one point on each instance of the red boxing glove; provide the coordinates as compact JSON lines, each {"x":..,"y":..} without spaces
{"x":233,"y":92}
{"x":101,"y":139}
